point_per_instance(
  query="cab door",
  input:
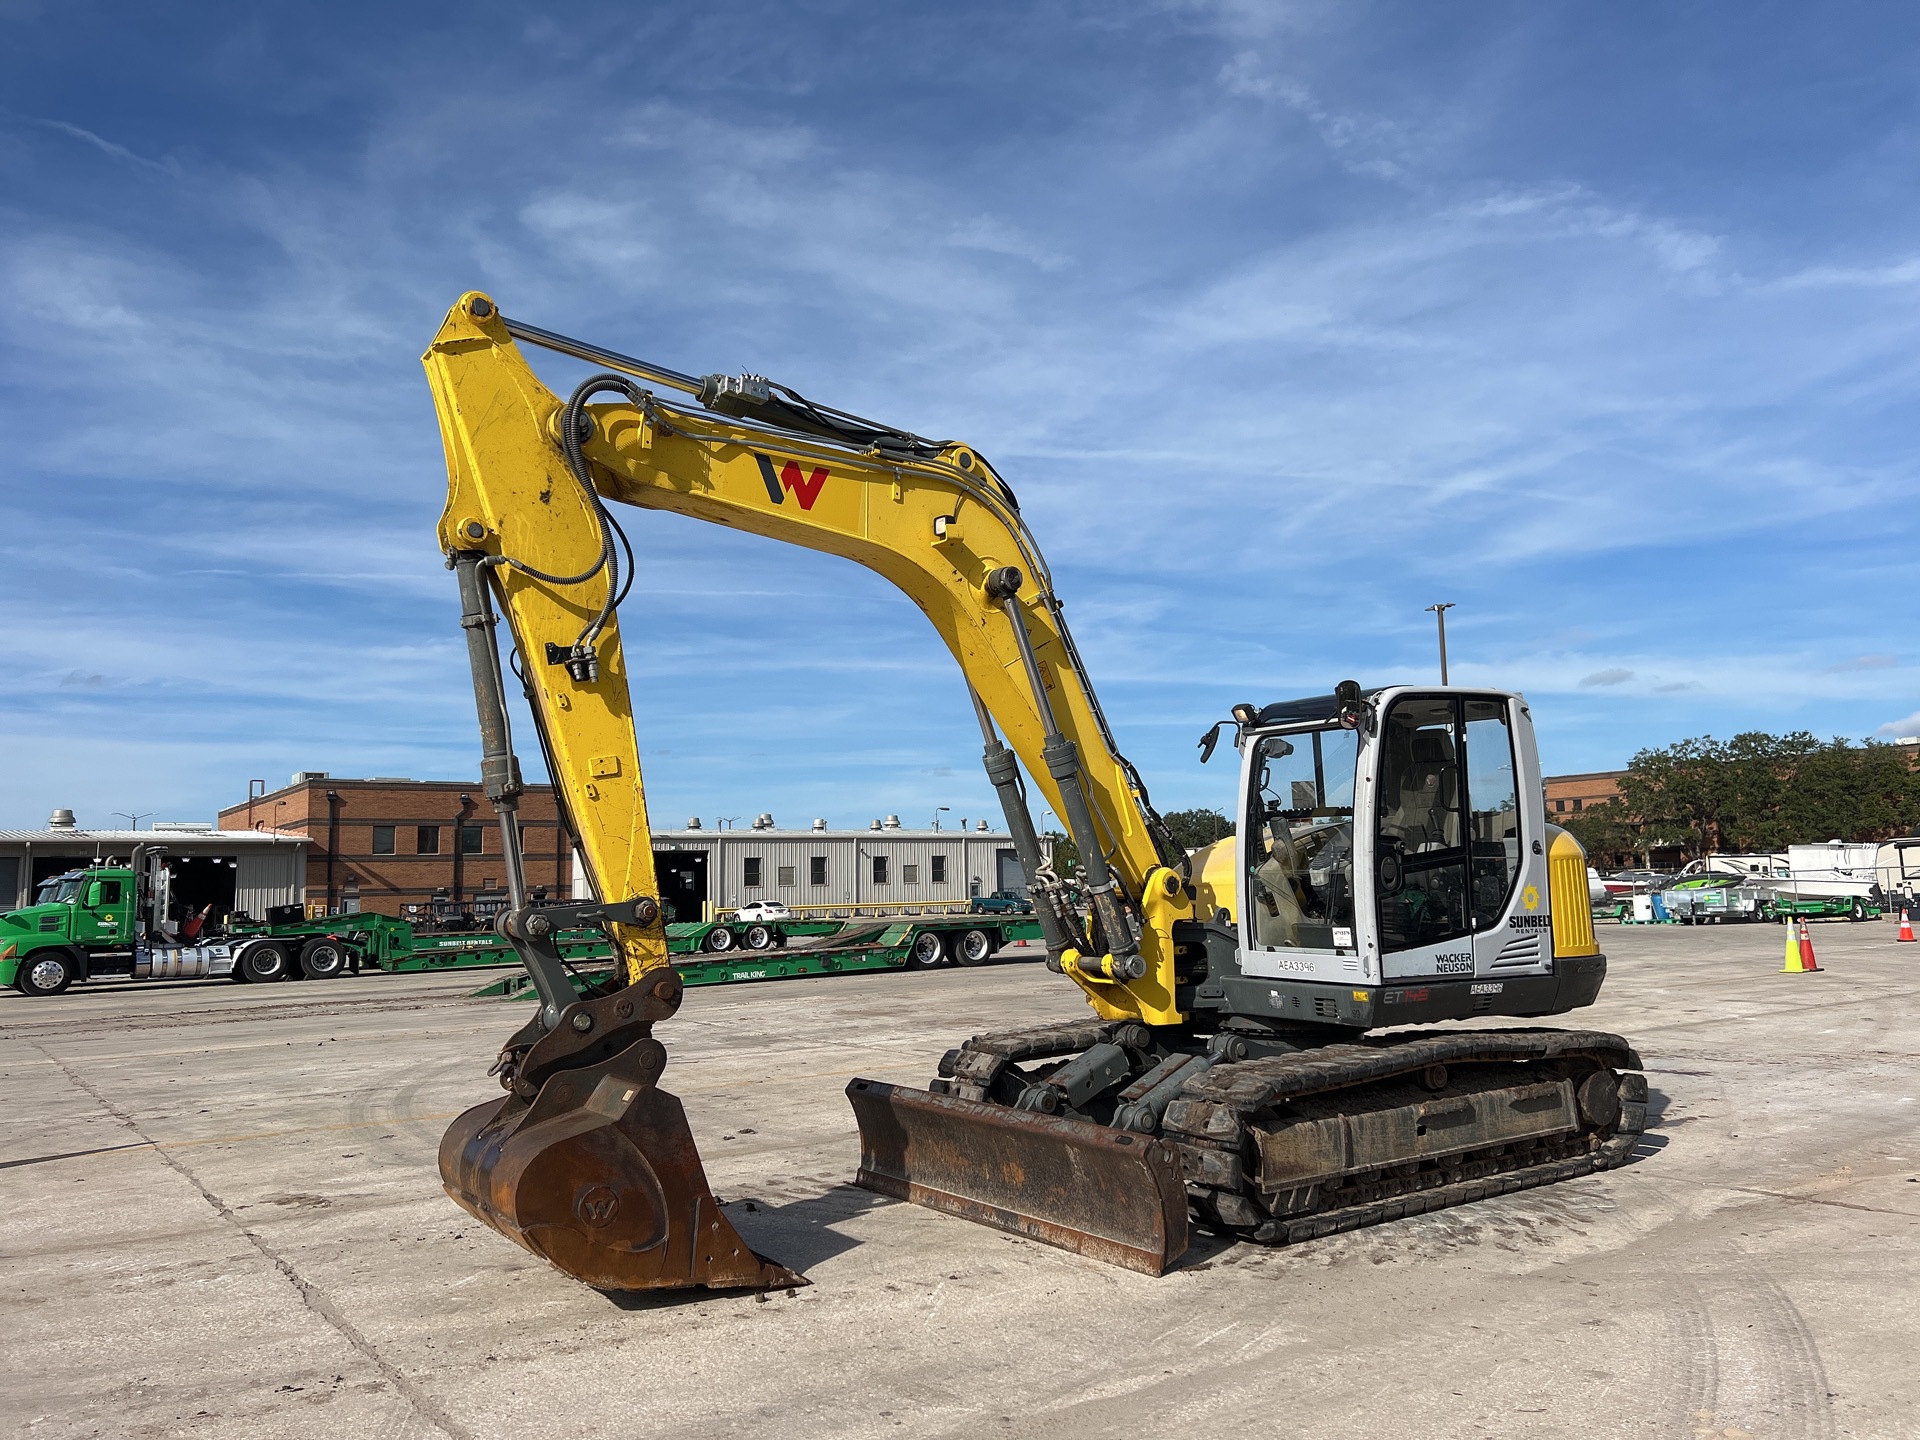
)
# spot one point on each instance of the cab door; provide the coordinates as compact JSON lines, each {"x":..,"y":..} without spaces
{"x":1453,"y":839}
{"x":1504,"y":815}
{"x":1421,"y":905}
{"x":98,"y":920}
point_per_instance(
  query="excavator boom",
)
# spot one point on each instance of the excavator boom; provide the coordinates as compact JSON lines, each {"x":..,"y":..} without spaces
{"x":585,"y":1160}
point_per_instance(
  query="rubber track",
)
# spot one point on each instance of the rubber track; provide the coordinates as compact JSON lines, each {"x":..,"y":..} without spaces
{"x":1226,"y":1098}
{"x":1248,"y":1085}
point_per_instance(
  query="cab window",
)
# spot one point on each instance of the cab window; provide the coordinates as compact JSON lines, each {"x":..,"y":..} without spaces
{"x":1299,"y":852}
{"x":1493,"y":809}
{"x":1420,"y":852}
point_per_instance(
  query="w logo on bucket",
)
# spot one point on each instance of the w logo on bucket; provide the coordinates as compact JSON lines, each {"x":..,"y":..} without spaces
{"x":805,"y":491}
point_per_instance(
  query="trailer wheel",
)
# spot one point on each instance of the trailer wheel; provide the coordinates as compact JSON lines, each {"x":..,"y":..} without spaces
{"x":974,"y":946}
{"x":1859,"y":909}
{"x":719,"y":940}
{"x":927,"y":951}
{"x":265,"y":961}
{"x":46,"y":972}
{"x":322,"y":959}
{"x":759,"y":937}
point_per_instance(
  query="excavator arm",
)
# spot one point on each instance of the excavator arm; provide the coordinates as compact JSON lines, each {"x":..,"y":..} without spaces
{"x":931,"y":517}
{"x":585,"y":1160}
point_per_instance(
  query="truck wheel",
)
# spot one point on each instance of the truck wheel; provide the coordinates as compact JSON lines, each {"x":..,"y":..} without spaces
{"x":322,"y":959}
{"x":719,"y":940}
{"x":265,"y":961}
{"x":974,"y":946}
{"x":759,"y":937}
{"x":928,"y":950}
{"x":45,"y":972}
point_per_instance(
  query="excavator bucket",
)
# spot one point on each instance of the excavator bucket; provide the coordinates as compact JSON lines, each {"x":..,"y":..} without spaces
{"x":1108,"y":1194}
{"x":598,"y":1175}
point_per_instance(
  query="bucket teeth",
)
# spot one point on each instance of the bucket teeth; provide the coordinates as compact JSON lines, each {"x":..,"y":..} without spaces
{"x":599,"y":1176}
{"x":1103,"y":1193}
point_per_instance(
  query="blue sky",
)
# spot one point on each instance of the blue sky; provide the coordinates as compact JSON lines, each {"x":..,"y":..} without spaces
{"x":1285,"y":321}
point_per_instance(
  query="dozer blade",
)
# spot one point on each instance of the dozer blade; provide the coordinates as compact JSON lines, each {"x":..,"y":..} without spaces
{"x":1104,"y":1193}
{"x":599,"y":1176}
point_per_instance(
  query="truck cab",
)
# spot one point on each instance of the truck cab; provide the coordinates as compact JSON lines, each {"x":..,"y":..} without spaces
{"x":47,"y":945}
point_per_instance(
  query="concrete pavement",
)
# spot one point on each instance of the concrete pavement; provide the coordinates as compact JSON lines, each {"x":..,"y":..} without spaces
{"x":224,"y":1219}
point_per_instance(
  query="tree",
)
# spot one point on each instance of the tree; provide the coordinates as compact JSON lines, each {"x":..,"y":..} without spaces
{"x":1760,"y":792}
{"x":1066,"y":855}
{"x":1606,"y":832}
{"x":1192,"y":829}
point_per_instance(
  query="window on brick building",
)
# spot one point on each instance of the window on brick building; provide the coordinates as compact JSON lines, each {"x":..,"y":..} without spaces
{"x":383,"y":839}
{"x":426,"y":840}
{"x":473,"y":839}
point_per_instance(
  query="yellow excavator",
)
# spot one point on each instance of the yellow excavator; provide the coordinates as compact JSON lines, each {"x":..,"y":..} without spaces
{"x":1253,"y":1061}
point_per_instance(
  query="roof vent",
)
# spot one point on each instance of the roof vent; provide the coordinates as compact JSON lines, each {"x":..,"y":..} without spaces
{"x":893,"y":822}
{"x":693,"y":822}
{"x":307,"y":777}
{"x":981,"y":827}
{"x":874,"y":826}
{"x":819,"y":824}
{"x":763,"y":821}
{"x":61,"y":820}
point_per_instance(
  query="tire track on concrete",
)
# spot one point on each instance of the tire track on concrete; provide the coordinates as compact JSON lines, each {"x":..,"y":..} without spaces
{"x":310,"y":1294}
{"x":1766,"y":1377}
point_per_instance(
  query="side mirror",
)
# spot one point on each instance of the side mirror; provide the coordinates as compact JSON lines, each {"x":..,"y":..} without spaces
{"x":1355,"y":712}
{"x":1209,"y":740}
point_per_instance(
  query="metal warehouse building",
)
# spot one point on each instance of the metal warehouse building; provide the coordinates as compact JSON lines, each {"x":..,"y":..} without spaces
{"x":882,"y":866}
{"x":229,"y":870}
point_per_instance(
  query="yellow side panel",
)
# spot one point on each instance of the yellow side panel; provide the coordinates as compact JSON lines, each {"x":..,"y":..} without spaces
{"x":1216,"y":875}
{"x":1567,"y":894}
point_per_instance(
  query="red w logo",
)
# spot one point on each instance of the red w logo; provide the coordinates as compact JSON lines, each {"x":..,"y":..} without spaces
{"x":806,"y":490}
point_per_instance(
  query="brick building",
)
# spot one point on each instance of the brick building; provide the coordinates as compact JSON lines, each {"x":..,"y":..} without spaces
{"x":1570,"y":794}
{"x":385,"y":843}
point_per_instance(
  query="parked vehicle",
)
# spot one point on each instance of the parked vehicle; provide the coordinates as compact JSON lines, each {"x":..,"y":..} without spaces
{"x":760,"y":911}
{"x":1000,"y":902}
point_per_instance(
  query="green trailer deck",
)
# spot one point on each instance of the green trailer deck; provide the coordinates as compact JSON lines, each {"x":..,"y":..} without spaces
{"x":846,"y":947}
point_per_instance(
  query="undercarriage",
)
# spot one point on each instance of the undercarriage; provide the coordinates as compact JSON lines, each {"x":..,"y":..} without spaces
{"x":1272,"y":1135}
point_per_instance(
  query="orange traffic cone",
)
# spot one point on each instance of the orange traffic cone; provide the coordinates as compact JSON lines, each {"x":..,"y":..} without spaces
{"x":1806,"y":951}
{"x":1906,"y":925}
{"x":1793,"y":965}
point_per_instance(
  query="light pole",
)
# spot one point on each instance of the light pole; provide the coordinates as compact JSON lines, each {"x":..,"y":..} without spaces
{"x":136,"y":819}
{"x":1440,"y":614}
{"x":938,"y":811}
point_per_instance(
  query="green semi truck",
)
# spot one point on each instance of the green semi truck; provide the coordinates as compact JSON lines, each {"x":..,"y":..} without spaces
{"x":110,"y":920}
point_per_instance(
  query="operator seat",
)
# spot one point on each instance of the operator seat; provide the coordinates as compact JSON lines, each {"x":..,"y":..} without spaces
{"x":1277,"y":913}
{"x":1424,"y":813}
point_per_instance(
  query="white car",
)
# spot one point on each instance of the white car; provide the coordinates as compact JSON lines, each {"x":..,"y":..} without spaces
{"x":761,"y":911}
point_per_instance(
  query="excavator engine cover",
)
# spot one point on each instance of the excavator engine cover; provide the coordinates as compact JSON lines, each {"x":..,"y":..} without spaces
{"x":598,"y":1174}
{"x":1107,"y":1194}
